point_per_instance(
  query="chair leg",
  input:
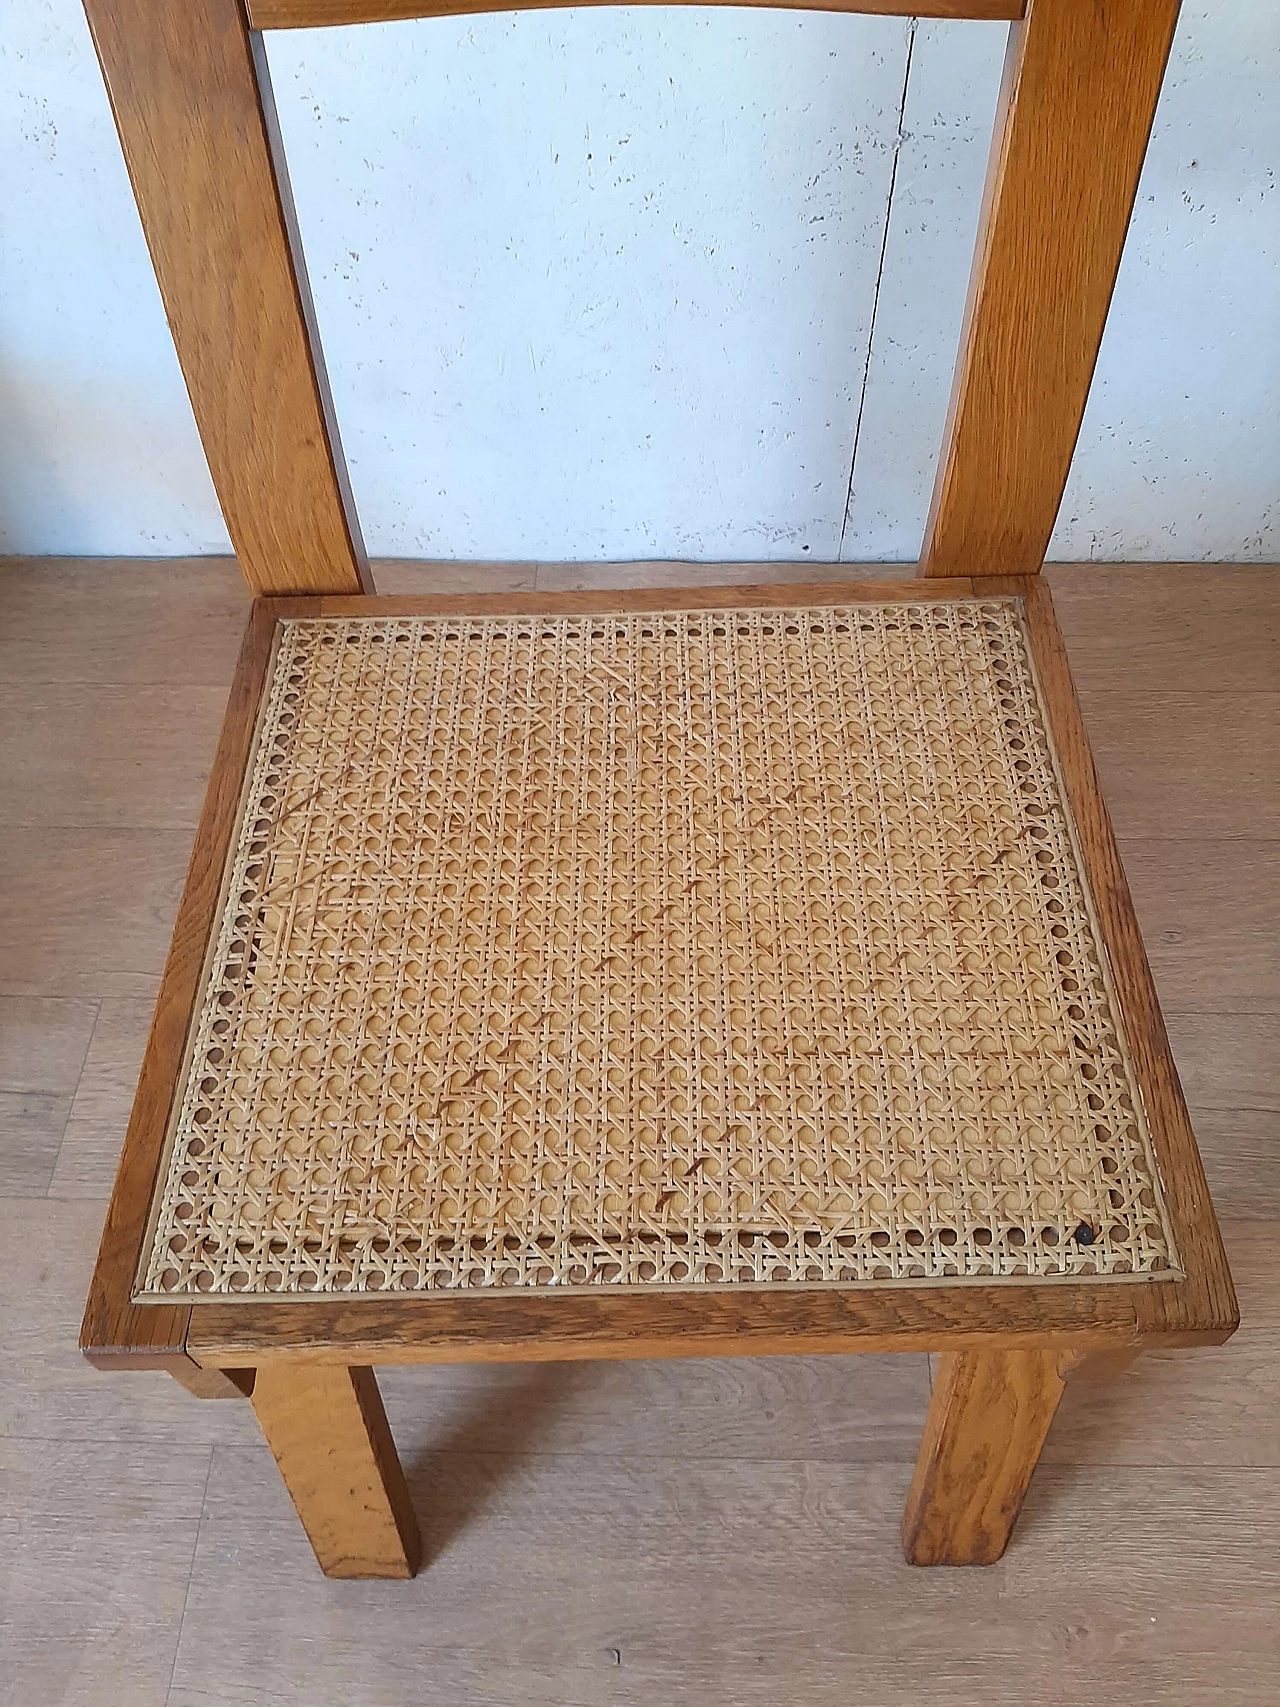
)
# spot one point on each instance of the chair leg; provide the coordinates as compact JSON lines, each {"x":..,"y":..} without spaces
{"x":213,"y":1383}
{"x":988,"y":1417}
{"x":328,"y":1432}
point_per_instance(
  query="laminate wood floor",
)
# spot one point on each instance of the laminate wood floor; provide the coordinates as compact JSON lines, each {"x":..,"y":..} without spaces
{"x":648,"y":1534}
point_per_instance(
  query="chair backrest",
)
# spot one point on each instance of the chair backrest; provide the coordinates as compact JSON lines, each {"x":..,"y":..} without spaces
{"x":192,"y":99}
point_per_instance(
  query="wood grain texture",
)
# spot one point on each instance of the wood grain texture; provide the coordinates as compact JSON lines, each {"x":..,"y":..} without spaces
{"x":193,"y":106}
{"x":311,"y":14}
{"x":671,"y":572}
{"x":159,"y":621}
{"x":90,"y":1147}
{"x":671,"y":1581}
{"x":1194,"y":1409}
{"x":1174,"y":772}
{"x":1151,"y":627}
{"x":43,"y":1045}
{"x":1206,"y":1297}
{"x":824,"y":1410}
{"x":32,"y":1124}
{"x":1210,"y":917}
{"x":1229,"y":1060}
{"x":97,"y":1539}
{"x":988,"y":1417}
{"x":1240,"y":1148}
{"x":1252,"y":1257}
{"x":88,"y":913}
{"x":86,"y":755}
{"x":328,"y":1433}
{"x":1076,"y":105}
{"x":47,"y":1389}
{"x":747,"y":594}
{"x":410,"y":575}
{"x":755,"y":1324}
{"x":116,"y":1333}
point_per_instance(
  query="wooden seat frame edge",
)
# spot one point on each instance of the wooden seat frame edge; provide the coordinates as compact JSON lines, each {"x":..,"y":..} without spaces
{"x":1199,"y":1308}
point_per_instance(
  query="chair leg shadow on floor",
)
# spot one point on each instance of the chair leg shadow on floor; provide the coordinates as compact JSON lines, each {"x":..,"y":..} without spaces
{"x":454,"y":1480}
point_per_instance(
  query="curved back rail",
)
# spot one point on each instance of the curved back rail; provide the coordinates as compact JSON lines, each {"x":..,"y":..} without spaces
{"x":315,"y":14}
{"x":192,"y":100}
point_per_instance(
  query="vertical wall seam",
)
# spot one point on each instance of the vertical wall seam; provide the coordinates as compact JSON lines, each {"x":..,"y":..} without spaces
{"x":898,"y":140}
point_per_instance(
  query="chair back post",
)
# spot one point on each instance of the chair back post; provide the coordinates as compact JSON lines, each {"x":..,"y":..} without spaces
{"x":1077,"y":100}
{"x":191,"y":94}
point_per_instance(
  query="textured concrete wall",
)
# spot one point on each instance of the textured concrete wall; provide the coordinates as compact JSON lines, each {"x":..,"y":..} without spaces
{"x":644,"y":283}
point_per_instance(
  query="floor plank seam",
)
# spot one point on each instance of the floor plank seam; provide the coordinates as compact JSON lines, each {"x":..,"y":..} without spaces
{"x":75,"y":1092}
{"x":186,"y":1598}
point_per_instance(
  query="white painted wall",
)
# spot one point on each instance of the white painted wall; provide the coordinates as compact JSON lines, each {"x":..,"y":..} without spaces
{"x":596,"y":283}
{"x":98,"y":450}
{"x":1179,"y":455}
{"x":601,"y":284}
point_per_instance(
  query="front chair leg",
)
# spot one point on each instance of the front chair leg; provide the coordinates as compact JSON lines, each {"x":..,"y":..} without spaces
{"x":988,"y":1417}
{"x":328,"y":1432}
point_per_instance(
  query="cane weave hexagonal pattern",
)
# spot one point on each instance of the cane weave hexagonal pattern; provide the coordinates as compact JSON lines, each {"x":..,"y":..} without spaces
{"x":712,"y":948}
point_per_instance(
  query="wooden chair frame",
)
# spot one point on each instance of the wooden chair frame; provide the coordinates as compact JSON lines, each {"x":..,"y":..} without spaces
{"x":192,"y":100}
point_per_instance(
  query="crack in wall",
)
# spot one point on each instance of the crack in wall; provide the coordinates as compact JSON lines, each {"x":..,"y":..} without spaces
{"x":875,"y":300}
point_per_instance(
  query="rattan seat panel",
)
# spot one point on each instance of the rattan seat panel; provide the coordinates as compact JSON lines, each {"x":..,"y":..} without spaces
{"x":685,"y":949}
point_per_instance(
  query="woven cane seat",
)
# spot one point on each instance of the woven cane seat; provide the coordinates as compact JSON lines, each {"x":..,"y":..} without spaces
{"x":711,"y":948}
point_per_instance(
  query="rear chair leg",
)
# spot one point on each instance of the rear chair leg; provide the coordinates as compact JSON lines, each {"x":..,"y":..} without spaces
{"x":988,"y":1417}
{"x":212,"y":1383}
{"x":328,"y":1432}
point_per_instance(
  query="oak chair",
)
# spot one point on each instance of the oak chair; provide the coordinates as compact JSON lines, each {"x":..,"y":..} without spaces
{"x":685,"y":973}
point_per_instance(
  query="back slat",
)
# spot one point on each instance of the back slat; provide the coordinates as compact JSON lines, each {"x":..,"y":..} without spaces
{"x":311,"y":14}
{"x":192,"y":102}
{"x":1079,"y":94}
